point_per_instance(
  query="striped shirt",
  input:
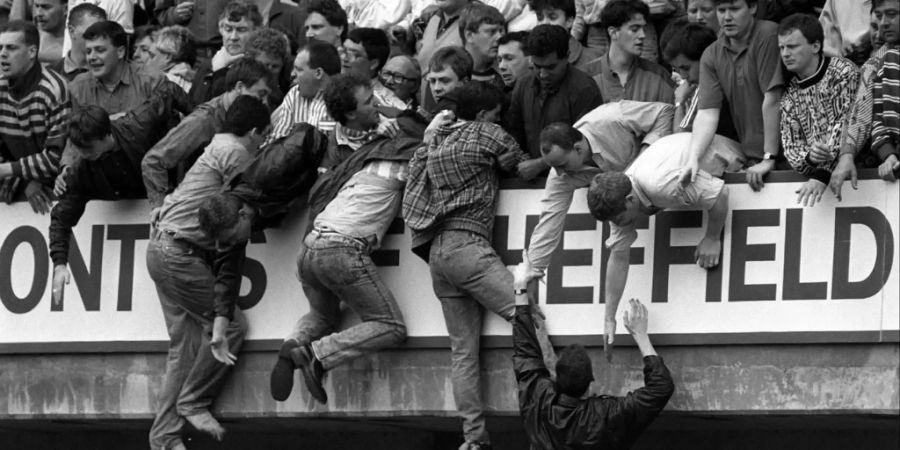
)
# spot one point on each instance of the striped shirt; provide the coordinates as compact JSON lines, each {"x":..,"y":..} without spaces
{"x":296,"y":109}
{"x":859,"y":126}
{"x":886,"y":104}
{"x":33,"y":114}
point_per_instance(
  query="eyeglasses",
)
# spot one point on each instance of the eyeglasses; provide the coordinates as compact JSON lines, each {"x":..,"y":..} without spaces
{"x":395,"y":77}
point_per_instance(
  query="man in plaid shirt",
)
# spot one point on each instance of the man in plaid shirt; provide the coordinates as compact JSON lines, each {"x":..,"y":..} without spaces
{"x":449,"y":205}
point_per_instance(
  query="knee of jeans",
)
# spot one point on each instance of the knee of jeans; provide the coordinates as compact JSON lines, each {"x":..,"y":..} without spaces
{"x":399,"y":333}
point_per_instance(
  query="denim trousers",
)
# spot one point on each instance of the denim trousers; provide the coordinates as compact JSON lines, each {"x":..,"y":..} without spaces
{"x":184,"y":282}
{"x":337,"y":268}
{"x":468,"y":277}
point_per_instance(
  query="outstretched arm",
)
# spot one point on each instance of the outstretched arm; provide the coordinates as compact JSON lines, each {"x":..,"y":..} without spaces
{"x":710,"y":248}
{"x":616,"y":276}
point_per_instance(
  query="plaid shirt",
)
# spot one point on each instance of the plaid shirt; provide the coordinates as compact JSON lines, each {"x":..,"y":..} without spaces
{"x":453,"y":181}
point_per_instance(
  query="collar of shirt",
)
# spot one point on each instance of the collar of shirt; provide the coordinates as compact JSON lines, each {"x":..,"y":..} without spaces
{"x":610,"y":73}
{"x":126,"y":78}
{"x":352,"y":138}
{"x":816,"y":76}
{"x":27,"y":82}
{"x":444,"y":22}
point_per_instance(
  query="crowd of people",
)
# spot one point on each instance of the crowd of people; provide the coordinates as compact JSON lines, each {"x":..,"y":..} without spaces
{"x":226,"y":114}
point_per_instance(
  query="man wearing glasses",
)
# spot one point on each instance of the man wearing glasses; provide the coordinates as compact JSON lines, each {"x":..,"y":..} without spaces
{"x":402,"y":75}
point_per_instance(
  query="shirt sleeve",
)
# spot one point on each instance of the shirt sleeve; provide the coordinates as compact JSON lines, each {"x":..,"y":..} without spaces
{"x":44,"y":166}
{"x":620,"y":238}
{"x":515,"y":117}
{"x":642,"y":406}
{"x":554,"y":206}
{"x":769,"y":64}
{"x":64,"y":215}
{"x":281,"y":117}
{"x":228,"y":268}
{"x":711,"y":95}
{"x":651,"y":120}
{"x":532,"y":376}
{"x":194,"y":132}
{"x":586,"y":98}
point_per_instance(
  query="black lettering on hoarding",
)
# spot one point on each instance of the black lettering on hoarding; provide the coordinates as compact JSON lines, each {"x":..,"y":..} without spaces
{"x":128,"y":234}
{"x":510,"y":256}
{"x":87,"y":281}
{"x":256,"y":274}
{"x":665,"y":255}
{"x":793,"y":289}
{"x":844,"y":218}
{"x":32,"y":237}
{"x":387,"y":257}
{"x":556,"y":292}
{"x":742,"y":253}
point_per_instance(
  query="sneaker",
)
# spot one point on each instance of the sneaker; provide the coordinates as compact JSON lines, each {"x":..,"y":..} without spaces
{"x":311,"y":372}
{"x":281,"y":381}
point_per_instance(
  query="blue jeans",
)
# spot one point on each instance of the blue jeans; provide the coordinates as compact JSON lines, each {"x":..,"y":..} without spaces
{"x":338,"y":268}
{"x":184,"y":282}
{"x":468,"y":277}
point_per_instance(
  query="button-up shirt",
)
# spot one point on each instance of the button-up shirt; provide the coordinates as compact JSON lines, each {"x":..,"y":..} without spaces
{"x":616,"y":133}
{"x":132,"y":89}
{"x":647,"y":82}
{"x":453,"y":181}
{"x":531,"y":109}
{"x":742,"y":76}
{"x":298,"y":109}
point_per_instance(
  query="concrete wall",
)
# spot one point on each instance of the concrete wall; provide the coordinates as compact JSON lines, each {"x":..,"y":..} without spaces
{"x":826,"y":379}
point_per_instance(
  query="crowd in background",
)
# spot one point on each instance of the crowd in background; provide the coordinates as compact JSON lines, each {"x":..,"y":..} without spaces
{"x":224,"y":113}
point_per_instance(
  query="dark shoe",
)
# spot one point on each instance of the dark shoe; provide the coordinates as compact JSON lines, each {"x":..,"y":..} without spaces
{"x":206,"y":423}
{"x":281,"y":382}
{"x":311,"y":372}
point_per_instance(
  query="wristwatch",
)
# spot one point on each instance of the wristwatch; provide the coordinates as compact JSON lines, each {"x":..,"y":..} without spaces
{"x":767,"y":156}
{"x":520,"y":291}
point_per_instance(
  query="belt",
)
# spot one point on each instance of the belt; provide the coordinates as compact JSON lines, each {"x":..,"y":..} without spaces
{"x":324,"y":233}
{"x":189,"y":247}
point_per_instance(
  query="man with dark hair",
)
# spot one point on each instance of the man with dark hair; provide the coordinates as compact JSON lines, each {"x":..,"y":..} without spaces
{"x":559,"y":413}
{"x":683,"y":49}
{"x":112,"y":83}
{"x":480,"y":28}
{"x":110,"y":154}
{"x":555,"y":91}
{"x":198,"y":280}
{"x":246,"y":77}
{"x":562,"y":13}
{"x":50,"y":17}
{"x":35,"y":105}
{"x":237,"y":21}
{"x":816,"y":104}
{"x":80,"y":18}
{"x":743,"y":69}
{"x":622,"y":72}
{"x":512,"y":64}
{"x":449,"y":206}
{"x":365,"y":51}
{"x":607,"y":138}
{"x":449,"y":67}
{"x":886,"y":22}
{"x":314,"y":66}
{"x":649,"y":185}
{"x":327,"y":22}
{"x":351,"y":207}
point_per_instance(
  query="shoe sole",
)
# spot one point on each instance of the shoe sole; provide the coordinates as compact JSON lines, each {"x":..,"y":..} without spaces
{"x":281,"y":380}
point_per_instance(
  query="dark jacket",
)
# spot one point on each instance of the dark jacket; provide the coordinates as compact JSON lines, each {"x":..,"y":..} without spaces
{"x":400,"y":148}
{"x":282,"y":172}
{"x":116,"y":174}
{"x":556,"y":421}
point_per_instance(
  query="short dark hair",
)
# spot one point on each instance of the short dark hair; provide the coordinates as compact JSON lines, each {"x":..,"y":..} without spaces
{"x":28,"y":30}
{"x":607,"y":195}
{"x":339,"y":95}
{"x":179,"y":42}
{"x":454,"y":57}
{"x":107,"y":29}
{"x":618,"y":12}
{"x":472,"y":97}
{"x":88,"y":124}
{"x":546,"y":39}
{"x":82,"y":10}
{"x":573,"y":371}
{"x":323,"y":55}
{"x":877,"y":3}
{"x":332,"y":12}
{"x":561,"y":134}
{"x":476,"y":14}
{"x":516,"y":36}
{"x":235,"y":11}
{"x":808,"y":26}
{"x":268,"y":41}
{"x":748,"y":2}
{"x":374,"y":41}
{"x":567,"y":6}
{"x":248,"y":71}
{"x":219,"y":212}
{"x":690,"y":40}
{"x":246,"y":113}
{"x":143,"y":31}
